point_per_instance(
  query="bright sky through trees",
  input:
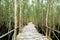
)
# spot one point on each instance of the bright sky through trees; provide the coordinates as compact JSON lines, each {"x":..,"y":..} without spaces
{"x":44,"y":1}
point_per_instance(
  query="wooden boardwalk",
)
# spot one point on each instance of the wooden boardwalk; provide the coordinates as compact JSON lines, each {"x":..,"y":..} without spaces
{"x":30,"y":33}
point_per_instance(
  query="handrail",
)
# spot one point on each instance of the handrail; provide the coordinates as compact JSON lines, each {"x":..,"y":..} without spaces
{"x":7,"y":33}
{"x":16,"y":28}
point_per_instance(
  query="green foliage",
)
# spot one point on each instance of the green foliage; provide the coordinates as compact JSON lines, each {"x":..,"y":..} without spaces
{"x":36,"y":11}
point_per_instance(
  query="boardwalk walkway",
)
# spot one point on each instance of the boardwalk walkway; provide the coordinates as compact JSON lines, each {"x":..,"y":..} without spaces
{"x":30,"y":33}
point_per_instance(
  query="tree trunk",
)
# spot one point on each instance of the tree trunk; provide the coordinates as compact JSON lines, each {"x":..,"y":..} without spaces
{"x":15,"y":18}
{"x":21,"y":16}
{"x":47,"y":19}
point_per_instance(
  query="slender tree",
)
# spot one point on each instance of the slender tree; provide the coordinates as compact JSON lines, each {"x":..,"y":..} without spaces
{"x":21,"y":16}
{"x":9,"y":22}
{"x":47,"y":18}
{"x":15,"y":17}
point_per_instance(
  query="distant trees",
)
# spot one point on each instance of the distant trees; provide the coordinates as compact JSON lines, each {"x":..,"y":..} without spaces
{"x":42,"y":12}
